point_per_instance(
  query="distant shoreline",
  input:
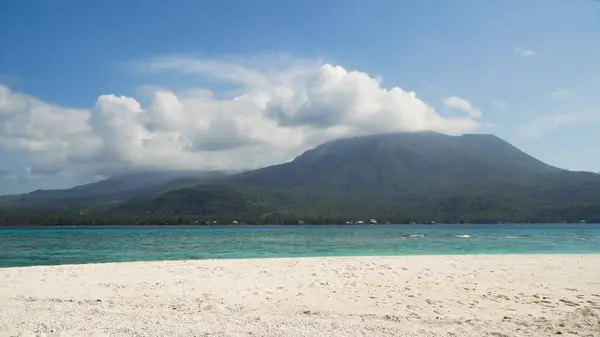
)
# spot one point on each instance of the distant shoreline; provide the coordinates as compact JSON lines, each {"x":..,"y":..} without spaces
{"x":2,"y":226}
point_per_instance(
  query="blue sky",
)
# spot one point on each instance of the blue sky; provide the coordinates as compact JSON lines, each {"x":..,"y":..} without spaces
{"x":530,"y":67}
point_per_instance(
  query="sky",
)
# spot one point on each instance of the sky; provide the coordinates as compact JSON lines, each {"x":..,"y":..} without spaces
{"x":93,"y":89}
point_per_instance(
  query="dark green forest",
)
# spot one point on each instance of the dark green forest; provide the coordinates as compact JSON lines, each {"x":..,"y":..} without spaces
{"x":212,"y":206}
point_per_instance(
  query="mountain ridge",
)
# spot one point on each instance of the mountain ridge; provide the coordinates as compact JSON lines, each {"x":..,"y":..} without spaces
{"x":396,"y":161}
{"x":402,"y":176}
{"x":115,"y":189}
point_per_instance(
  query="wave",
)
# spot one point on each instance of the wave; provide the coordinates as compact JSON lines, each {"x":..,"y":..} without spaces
{"x":462,"y":236}
{"x":503,"y":236}
{"x":413,"y":235}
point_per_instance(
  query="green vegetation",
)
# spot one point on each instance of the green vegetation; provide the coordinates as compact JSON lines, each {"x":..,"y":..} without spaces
{"x":401,"y":178}
{"x":255,"y":210}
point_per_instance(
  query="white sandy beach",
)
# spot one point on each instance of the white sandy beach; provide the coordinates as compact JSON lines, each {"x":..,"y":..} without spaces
{"x":532,"y":295}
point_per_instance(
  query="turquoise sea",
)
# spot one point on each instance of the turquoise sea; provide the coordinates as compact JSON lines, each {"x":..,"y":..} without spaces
{"x":75,"y":245}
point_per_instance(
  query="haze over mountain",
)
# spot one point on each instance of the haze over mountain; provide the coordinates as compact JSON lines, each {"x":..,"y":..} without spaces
{"x":115,"y":189}
{"x":421,"y":173}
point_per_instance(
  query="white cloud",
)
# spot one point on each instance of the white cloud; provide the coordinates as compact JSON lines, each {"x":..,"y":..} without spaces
{"x":272,"y":111}
{"x":539,"y":126}
{"x":462,"y":104}
{"x":561,"y":94}
{"x":524,"y":52}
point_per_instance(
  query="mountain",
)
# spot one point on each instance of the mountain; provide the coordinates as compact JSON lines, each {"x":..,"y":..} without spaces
{"x":403,"y":165}
{"x":410,"y":176}
{"x":400,"y":177}
{"x":115,"y":189}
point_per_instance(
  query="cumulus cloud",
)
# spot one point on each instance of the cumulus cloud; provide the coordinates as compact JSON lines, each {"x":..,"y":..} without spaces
{"x":523,"y":52}
{"x":270,"y":112}
{"x":462,"y":104}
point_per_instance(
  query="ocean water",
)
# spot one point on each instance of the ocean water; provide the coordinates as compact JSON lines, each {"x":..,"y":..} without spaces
{"x":75,"y":245}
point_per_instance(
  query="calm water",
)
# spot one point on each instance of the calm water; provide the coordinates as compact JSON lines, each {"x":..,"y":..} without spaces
{"x":50,"y":246}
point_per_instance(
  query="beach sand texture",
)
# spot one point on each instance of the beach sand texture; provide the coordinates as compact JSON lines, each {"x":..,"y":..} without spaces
{"x":477,"y":295}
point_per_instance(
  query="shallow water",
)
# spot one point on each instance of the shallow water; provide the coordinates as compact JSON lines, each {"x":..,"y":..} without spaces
{"x":75,"y":245}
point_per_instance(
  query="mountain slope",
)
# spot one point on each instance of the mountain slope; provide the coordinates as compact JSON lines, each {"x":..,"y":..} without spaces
{"x":403,"y":165}
{"x":115,"y":189}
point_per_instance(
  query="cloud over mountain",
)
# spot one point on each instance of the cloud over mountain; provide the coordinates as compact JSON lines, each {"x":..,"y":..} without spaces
{"x":269,"y":112}
{"x":462,"y":104}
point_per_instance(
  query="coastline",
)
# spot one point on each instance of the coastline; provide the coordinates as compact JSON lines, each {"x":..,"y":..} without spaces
{"x":433,"y":295}
{"x":293,"y":224}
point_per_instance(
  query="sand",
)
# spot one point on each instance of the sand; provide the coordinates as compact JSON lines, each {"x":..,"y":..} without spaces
{"x":502,"y":295}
